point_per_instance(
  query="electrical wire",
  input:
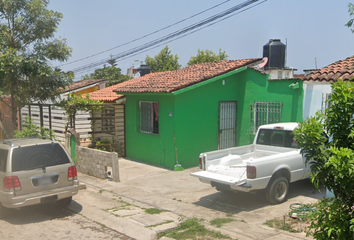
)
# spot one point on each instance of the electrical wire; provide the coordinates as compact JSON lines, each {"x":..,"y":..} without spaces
{"x":202,"y":24}
{"x":156,"y":46}
{"x":165,"y":38}
{"x":149,"y":34}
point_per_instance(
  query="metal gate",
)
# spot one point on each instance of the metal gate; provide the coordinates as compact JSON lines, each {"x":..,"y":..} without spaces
{"x":227,"y":124}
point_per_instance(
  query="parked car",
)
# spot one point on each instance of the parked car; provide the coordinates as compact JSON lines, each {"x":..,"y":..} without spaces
{"x":35,"y":171}
{"x":270,"y":163}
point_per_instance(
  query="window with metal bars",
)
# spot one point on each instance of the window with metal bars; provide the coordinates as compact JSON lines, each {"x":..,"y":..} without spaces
{"x":326,"y":100}
{"x":108,"y":120}
{"x":264,"y":113}
{"x":149,"y":117}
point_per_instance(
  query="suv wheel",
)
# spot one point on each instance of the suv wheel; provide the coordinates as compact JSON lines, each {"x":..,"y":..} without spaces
{"x":64,"y":202}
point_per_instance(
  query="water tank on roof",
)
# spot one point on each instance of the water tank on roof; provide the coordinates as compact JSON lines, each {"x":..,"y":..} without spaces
{"x":143,"y":70}
{"x":274,"y":50}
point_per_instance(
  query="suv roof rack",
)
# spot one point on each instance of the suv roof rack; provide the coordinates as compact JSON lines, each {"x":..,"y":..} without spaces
{"x":10,"y":143}
{"x":14,"y":141}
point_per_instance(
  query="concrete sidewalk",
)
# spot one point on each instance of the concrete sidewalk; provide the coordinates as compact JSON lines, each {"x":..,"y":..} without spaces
{"x":121,"y":206}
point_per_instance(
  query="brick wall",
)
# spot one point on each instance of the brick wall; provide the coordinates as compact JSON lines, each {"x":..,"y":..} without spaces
{"x":96,"y":163}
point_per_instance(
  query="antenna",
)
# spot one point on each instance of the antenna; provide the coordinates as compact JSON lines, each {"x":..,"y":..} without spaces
{"x":259,"y":49}
{"x":286,"y":51}
{"x":316,"y":63}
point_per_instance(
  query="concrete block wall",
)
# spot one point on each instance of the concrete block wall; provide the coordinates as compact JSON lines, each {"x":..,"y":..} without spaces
{"x":97,"y":163}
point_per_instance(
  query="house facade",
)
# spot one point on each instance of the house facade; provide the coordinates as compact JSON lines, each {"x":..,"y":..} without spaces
{"x":174,"y":116}
{"x":317,"y":84}
{"x":108,"y":124}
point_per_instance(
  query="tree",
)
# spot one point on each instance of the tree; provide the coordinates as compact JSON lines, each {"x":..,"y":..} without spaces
{"x":207,"y":56}
{"x":76,"y":102}
{"x":27,"y":45}
{"x":332,"y":162}
{"x":164,"y":61}
{"x":350,"y":23}
{"x":111,"y":73}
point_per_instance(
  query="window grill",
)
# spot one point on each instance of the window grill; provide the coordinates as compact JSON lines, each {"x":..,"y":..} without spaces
{"x":264,"y":113}
{"x":149,"y":117}
{"x":326,"y":100}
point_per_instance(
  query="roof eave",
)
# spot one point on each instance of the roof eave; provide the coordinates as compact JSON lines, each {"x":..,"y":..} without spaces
{"x":215,"y":78}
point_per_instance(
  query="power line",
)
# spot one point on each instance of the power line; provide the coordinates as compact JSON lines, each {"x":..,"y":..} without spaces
{"x":156,"y":46}
{"x":149,"y":34}
{"x":184,"y":32}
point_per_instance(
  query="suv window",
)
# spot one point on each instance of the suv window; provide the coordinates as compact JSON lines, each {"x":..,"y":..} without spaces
{"x":3,"y":159}
{"x":37,"y":156}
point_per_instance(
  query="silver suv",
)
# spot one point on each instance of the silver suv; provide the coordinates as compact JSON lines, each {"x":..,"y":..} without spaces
{"x":35,"y":171}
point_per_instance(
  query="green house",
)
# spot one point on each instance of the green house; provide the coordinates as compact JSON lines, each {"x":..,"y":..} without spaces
{"x":179,"y":114}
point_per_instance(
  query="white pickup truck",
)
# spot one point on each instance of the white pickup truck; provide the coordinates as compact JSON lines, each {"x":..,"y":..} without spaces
{"x":270,"y":163}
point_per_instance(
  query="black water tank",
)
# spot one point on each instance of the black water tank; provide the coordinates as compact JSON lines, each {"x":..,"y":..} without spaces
{"x":274,"y":50}
{"x":143,"y":70}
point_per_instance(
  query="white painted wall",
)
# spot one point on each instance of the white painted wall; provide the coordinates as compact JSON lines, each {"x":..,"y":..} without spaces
{"x":314,"y":97}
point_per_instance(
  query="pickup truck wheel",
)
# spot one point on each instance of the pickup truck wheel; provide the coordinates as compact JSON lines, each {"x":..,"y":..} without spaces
{"x":277,"y":190}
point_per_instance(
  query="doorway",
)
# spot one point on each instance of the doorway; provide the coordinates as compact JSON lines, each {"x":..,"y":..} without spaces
{"x":227,"y":124}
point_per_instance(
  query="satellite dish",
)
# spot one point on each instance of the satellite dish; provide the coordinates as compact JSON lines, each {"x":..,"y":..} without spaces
{"x":265,"y":60}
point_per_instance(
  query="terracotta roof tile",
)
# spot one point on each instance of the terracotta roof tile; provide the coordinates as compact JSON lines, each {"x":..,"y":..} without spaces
{"x":106,"y":94}
{"x":343,"y":69}
{"x":174,"y":80}
{"x":299,"y":76}
{"x":82,"y":83}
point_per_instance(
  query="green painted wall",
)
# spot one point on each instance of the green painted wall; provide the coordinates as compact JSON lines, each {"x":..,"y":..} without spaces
{"x":193,"y":113}
{"x":150,"y":148}
{"x":254,"y":88}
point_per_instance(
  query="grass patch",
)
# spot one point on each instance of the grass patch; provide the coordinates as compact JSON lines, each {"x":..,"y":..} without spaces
{"x":192,"y":229}
{"x":218,"y":222}
{"x":153,"y":211}
{"x":278,"y":223}
{"x":293,"y":225}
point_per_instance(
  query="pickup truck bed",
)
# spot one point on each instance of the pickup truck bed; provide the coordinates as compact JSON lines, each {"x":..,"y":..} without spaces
{"x":261,"y":165}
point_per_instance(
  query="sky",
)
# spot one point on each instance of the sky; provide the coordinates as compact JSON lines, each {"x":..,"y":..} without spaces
{"x":313,"y":31}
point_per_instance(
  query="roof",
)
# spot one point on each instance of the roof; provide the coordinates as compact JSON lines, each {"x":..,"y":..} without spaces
{"x":343,"y":69}
{"x":82,"y":83}
{"x":106,"y":94}
{"x":299,"y":76}
{"x":166,"y":82}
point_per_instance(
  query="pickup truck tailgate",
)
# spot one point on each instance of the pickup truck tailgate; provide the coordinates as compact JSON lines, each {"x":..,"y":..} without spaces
{"x":236,"y":176}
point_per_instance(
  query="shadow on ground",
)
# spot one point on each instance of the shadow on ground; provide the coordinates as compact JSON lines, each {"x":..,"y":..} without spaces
{"x":236,"y":202}
{"x":40,"y":213}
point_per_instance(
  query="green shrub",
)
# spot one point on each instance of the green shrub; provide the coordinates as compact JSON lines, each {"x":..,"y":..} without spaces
{"x":31,"y":130}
